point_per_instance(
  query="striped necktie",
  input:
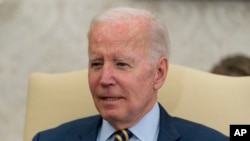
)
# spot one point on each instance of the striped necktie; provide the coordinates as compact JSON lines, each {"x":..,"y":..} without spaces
{"x":123,"y":135}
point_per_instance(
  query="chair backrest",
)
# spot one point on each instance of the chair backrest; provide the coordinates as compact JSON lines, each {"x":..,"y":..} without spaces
{"x":214,"y":100}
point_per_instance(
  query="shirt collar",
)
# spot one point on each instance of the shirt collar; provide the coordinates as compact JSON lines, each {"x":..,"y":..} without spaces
{"x":106,"y":130}
{"x":146,"y":129}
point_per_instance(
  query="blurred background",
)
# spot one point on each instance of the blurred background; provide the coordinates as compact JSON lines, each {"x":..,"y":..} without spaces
{"x":50,"y":36}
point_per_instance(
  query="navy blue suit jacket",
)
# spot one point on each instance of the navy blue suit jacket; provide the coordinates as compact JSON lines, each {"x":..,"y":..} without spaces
{"x":171,"y":129}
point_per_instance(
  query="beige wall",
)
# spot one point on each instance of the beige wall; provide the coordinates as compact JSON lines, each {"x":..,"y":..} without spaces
{"x":50,"y":36}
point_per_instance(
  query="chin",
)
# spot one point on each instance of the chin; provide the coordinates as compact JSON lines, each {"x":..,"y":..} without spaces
{"x":111,"y":116}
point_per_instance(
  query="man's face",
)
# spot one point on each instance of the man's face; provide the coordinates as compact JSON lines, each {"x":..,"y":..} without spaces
{"x":121,"y":76}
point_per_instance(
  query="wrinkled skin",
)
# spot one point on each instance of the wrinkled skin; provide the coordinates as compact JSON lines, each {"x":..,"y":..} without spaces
{"x":122,"y":79}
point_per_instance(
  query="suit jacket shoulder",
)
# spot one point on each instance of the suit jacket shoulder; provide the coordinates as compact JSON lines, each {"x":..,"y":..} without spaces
{"x":171,"y":129}
{"x":174,"y":128}
{"x":85,"y":129}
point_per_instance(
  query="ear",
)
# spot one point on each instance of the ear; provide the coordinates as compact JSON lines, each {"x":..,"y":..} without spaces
{"x":161,"y":72}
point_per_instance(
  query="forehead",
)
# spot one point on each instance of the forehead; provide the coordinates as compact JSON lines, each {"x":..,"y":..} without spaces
{"x":126,"y":30}
{"x":120,"y":37}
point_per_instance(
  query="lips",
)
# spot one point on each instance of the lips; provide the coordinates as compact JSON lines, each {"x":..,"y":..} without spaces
{"x":111,"y":98}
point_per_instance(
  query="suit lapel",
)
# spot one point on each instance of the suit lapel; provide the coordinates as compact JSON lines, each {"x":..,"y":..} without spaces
{"x":90,"y":132}
{"x":167,"y":131}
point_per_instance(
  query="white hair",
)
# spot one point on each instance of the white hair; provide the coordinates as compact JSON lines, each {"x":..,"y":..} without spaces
{"x":159,"y":42}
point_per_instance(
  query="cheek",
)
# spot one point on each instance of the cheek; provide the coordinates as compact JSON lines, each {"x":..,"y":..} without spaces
{"x":93,"y":81}
{"x":142,"y":85}
{"x":145,"y":80}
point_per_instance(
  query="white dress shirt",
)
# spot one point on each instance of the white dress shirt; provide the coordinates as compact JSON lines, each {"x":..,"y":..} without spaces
{"x":146,"y":129}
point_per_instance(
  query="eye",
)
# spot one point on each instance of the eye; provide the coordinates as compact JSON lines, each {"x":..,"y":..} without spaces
{"x":96,"y":64}
{"x":121,"y":64}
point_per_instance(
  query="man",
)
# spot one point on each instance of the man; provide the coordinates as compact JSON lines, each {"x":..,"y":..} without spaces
{"x":128,"y":64}
{"x":233,"y":65}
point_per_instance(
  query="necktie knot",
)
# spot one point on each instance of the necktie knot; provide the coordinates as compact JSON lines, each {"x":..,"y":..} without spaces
{"x":123,"y":135}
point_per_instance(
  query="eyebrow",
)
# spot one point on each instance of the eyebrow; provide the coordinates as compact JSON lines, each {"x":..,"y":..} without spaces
{"x":95,"y":58}
{"x":116,"y":58}
{"x":123,"y":58}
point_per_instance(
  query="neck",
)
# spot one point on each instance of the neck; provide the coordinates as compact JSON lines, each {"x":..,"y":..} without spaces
{"x":120,"y":125}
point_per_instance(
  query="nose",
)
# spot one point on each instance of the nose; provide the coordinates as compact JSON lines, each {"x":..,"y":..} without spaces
{"x":107,"y":76}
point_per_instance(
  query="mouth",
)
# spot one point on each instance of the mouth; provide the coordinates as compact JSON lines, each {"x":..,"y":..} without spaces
{"x":110,"y":98}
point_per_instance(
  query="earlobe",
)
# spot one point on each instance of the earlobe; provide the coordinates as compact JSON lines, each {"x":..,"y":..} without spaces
{"x":161,"y":72}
